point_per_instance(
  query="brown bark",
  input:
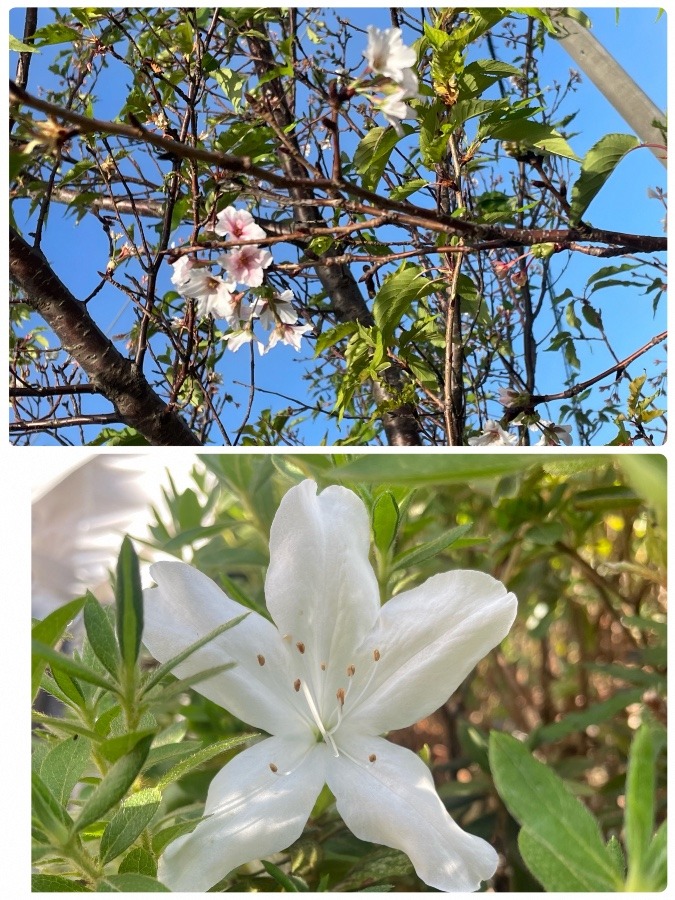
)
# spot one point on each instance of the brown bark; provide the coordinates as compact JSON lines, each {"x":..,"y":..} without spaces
{"x":115,"y":376}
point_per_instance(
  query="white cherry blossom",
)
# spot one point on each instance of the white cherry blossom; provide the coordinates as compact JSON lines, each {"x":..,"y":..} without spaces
{"x":278,"y":308}
{"x":212,"y":294}
{"x":240,"y":336}
{"x":325,"y":679}
{"x":181,"y":271}
{"x":287,"y":334}
{"x":394,"y":109}
{"x":553,"y":435}
{"x":386,"y":53}
{"x":493,"y":434}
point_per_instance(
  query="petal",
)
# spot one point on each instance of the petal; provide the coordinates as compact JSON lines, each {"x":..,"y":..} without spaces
{"x":320,"y":588}
{"x":184,"y":607}
{"x":391,"y":800}
{"x":253,"y":812}
{"x":428,"y":640}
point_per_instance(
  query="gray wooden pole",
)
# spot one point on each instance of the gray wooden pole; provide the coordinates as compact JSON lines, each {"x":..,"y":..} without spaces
{"x":627,"y":98}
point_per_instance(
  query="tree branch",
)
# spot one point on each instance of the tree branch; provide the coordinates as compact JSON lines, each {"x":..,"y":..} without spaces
{"x":116,"y":377}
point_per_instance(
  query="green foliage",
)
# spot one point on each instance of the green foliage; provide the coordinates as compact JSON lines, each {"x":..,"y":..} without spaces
{"x":581,"y":679}
{"x":596,"y":167}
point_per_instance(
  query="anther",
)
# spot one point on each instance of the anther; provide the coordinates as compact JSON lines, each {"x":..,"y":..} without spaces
{"x":351,"y":670}
{"x":341,"y":696}
{"x":372,"y":757}
{"x":300,"y":646}
{"x":273,"y":767}
{"x":261,"y":659}
{"x":296,"y":684}
{"x":376,"y":655}
{"x":323,"y":667}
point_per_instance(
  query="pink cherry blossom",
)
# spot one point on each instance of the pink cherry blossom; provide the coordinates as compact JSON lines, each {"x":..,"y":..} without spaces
{"x":238,"y":224}
{"x":245,"y":264}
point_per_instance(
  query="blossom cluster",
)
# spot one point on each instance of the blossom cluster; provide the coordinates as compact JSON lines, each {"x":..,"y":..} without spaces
{"x":218,"y":295}
{"x":389,"y":58}
{"x":551,"y":435}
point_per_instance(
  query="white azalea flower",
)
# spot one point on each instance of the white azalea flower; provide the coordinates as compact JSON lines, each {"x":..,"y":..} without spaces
{"x":493,"y":434}
{"x":330,"y":674}
{"x":386,"y":53}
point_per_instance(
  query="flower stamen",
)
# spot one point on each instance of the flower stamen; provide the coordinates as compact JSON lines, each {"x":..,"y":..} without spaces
{"x":326,"y":735}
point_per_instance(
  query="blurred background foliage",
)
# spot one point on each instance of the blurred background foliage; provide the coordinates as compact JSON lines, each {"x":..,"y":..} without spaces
{"x":581,"y":540}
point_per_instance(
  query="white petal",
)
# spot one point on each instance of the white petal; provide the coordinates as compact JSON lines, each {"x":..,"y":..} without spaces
{"x":184,"y":607}
{"x":391,"y":800}
{"x":253,"y":812}
{"x":429,"y":639}
{"x":320,"y":588}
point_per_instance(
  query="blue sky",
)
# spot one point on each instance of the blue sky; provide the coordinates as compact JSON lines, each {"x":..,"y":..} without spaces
{"x":638,"y":42}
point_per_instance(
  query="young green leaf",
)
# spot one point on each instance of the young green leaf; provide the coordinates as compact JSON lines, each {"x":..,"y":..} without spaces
{"x":101,"y":635}
{"x":114,"y":785}
{"x":287,"y":882}
{"x":560,"y":840}
{"x":128,"y":822}
{"x":138,"y":862}
{"x":165,"y":669}
{"x":426,"y":551}
{"x":51,"y":815}
{"x":64,"y":765}
{"x":129,"y":604}
{"x":48,"y":631}
{"x":596,"y":167}
{"x":69,"y":666}
{"x":116,"y":747}
{"x":130,"y":883}
{"x":202,"y":756}
{"x":385,"y":521}
{"x":639,"y":815}
{"x":49,"y":883}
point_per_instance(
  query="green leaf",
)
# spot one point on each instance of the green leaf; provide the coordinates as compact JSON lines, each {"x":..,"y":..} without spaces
{"x":286,"y":882}
{"x":202,"y":756}
{"x":656,"y":860}
{"x":596,"y":167}
{"x":51,"y":815}
{"x":114,"y":785}
{"x":593,"y":715}
{"x":44,"y":883}
{"x":385,"y":521}
{"x":129,"y":604}
{"x":101,"y":635}
{"x":19,"y":47}
{"x":560,"y":840}
{"x":166,"y":668}
{"x":125,"y":826}
{"x":115,"y":748}
{"x":48,"y":632}
{"x":616,"y":852}
{"x":63,"y":767}
{"x":129,"y":882}
{"x":421,"y":553}
{"x":164,"y":837}
{"x":639,"y":815}
{"x":70,"y":666}
{"x":401,"y":191}
{"x":138,"y":862}
{"x":534,"y":135}
{"x":372,"y":154}
{"x":396,"y":295}
{"x":431,"y":469}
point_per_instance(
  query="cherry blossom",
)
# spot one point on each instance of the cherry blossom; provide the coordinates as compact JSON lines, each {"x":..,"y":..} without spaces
{"x":386,"y":53}
{"x":246,"y":265}
{"x":238,"y":224}
{"x":493,"y":434}
{"x":287,"y":334}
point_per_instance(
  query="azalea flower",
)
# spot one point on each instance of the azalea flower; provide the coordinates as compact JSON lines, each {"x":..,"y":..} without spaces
{"x":238,"y":224}
{"x":246,"y":264}
{"x":386,"y":53}
{"x":287,"y":334}
{"x":331,"y":673}
{"x":493,"y":434}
